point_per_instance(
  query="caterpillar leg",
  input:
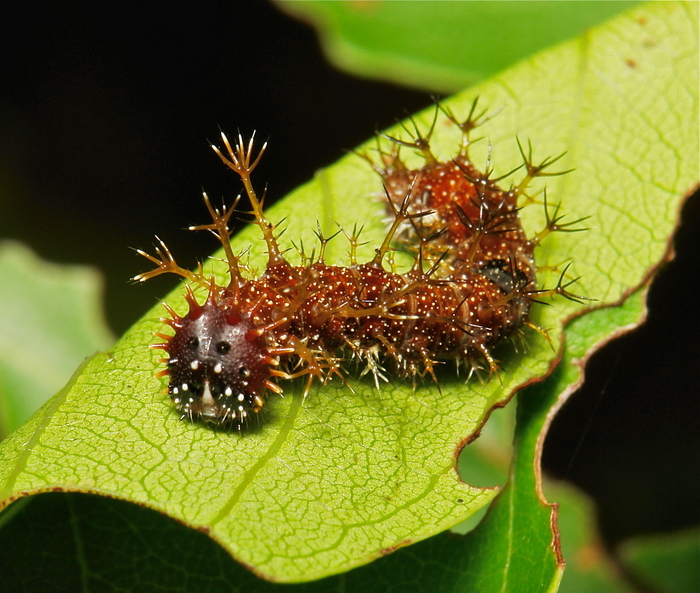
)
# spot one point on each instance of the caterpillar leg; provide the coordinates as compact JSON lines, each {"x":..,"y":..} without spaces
{"x":311,"y":364}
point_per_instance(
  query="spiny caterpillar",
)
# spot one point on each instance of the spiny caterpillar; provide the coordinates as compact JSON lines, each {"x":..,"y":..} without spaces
{"x":471,"y":286}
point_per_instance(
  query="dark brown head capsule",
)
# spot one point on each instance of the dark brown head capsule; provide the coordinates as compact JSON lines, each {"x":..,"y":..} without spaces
{"x":217,"y":362}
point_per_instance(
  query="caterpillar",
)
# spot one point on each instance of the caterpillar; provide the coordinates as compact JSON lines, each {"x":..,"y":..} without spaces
{"x":471,"y":286}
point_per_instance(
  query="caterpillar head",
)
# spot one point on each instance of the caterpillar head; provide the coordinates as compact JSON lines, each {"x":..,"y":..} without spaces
{"x":218,"y":363}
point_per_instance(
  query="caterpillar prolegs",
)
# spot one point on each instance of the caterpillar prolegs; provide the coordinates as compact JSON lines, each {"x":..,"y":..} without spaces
{"x":471,"y":286}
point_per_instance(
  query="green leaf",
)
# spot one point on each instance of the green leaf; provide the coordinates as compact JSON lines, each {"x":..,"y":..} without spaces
{"x":516,"y":547}
{"x":132,"y":548}
{"x":668,"y":563}
{"x":50,"y":320}
{"x":339,"y":479}
{"x":444,"y":47}
{"x":589,"y":566}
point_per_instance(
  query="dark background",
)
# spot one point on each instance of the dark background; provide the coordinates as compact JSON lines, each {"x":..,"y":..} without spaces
{"x":105,"y":113}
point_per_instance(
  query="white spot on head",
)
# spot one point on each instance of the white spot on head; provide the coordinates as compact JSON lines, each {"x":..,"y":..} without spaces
{"x":176,"y":390}
{"x":218,"y":368}
{"x":185,"y":387}
{"x":241,"y":397}
{"x":208,"y":403}
{"x":194,"y":365}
